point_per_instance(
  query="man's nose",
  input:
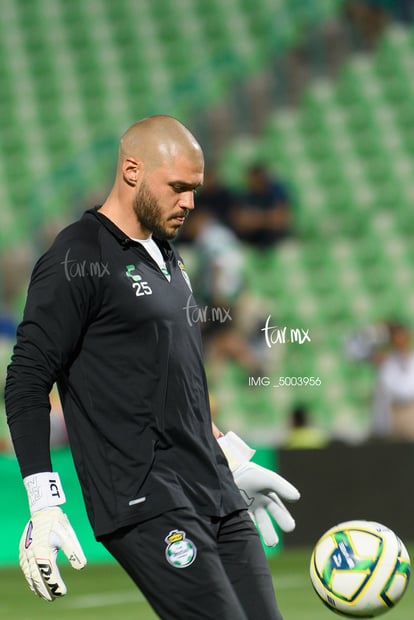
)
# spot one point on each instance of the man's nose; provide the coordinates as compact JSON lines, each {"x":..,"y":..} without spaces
{"x":187,"y":200}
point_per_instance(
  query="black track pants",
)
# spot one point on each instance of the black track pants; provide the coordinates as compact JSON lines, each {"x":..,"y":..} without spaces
{"x":194,"y":568}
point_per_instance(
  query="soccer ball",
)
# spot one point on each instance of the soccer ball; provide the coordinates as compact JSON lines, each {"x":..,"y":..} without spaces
{"x":360,"y":569}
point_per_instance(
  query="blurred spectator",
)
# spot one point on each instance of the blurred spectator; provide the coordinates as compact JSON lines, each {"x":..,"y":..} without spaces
{"x":219,"y":285}
{"x":263,"y":216}
{"x":404,"y":11}
{"x":367,"y":343}
{"x":15,"y":265}
{"x":393,"y":406}
{"x":214,"y":196}
{"x":302,"y":433}
{"x":369,"y":17}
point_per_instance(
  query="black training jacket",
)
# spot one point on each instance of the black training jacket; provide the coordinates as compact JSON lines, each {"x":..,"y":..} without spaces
{"x":119,"y":340}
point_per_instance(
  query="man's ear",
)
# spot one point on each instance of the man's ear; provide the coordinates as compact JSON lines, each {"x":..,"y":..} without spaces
{"x":131,"y":169}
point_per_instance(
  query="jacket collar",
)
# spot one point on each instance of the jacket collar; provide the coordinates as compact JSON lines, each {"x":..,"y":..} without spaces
{"x":123,"y":239}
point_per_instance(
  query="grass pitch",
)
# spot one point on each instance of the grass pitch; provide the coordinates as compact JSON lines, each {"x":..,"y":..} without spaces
{"x":104,"y":591}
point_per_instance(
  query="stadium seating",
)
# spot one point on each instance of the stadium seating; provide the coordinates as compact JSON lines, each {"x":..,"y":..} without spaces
{"x":347,"y":154}
{"x":75,"y":73}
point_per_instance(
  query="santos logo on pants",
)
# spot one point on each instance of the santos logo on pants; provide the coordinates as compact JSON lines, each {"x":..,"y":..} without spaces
{"x":180,"y":551}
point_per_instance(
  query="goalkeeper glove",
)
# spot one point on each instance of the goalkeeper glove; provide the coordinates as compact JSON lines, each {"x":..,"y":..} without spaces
{"x":261,"y":489}
{"x":47,"y":531}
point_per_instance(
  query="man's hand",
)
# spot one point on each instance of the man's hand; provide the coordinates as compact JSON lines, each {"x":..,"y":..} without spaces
{"x":261,"y":489}
{"x":48,"y":531}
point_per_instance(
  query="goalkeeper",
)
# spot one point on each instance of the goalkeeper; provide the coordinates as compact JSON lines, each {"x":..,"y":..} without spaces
{"x":105,"y":318}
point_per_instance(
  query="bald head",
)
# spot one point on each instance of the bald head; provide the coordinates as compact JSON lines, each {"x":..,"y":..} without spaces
{"x":160,"y":166}
{"x":157,"y":140}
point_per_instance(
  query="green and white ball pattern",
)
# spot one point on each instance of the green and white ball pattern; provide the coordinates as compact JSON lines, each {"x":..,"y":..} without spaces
{"x":360,"y":568}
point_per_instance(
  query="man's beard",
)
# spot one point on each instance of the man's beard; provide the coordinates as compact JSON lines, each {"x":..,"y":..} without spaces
{"x":147,"y":210}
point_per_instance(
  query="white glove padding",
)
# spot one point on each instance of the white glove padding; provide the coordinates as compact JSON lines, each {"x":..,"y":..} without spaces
{"x":48,"y":531}
{"x":261,"y":488}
